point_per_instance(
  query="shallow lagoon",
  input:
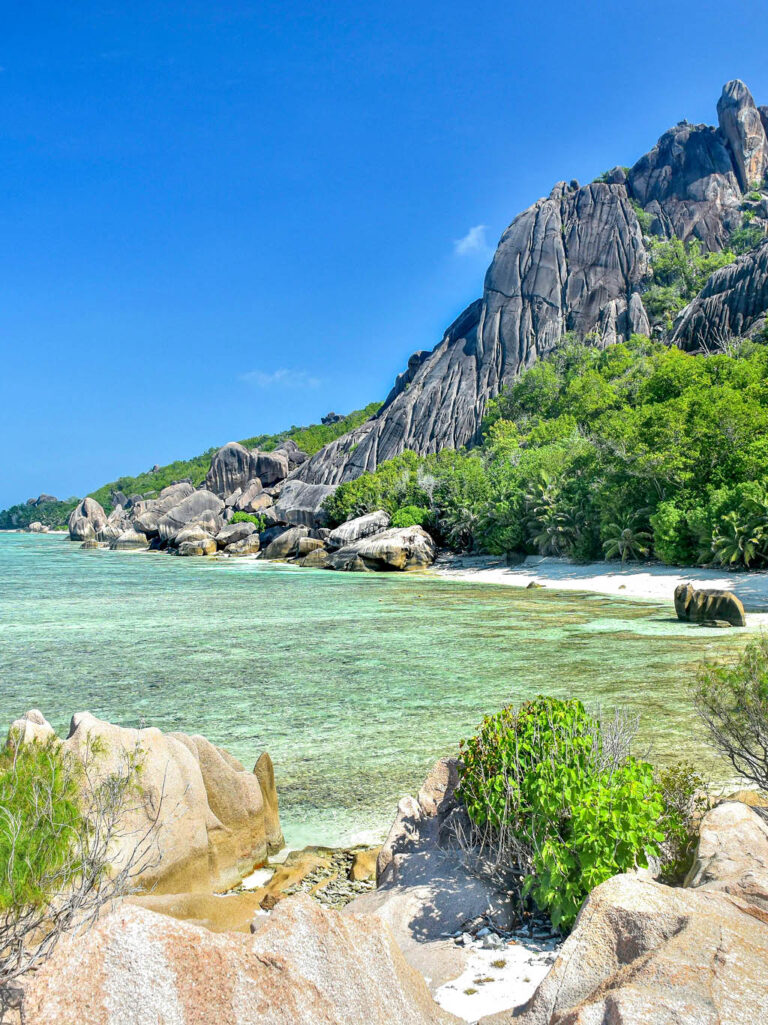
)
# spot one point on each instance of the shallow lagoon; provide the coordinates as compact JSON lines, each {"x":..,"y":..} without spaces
{"x":353,"y":683}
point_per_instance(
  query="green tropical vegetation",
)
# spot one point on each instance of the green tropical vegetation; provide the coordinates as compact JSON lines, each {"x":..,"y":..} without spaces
{"x":244,"y":517}
{"x":556,"y":793}
{"x":679,"y":271}
{"x":635,"y":451}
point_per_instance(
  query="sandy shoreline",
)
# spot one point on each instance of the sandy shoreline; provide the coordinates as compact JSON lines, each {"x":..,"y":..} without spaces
{"x":634,"y":581}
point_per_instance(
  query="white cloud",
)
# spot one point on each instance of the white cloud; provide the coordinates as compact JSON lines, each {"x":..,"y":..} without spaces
{"x":473,"y":242}
{"x":282,"y":378}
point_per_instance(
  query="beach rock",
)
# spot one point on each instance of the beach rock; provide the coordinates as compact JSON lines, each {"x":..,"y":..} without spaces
{"x":305,"y":965}
{"x":231,"y":500}
{"x":286,"y":544}
{"x":129,"y":540}
{"x":206,"y":547}
{"x":732,"y":853}
{"x":302,"y":504}
{"x":364,"y":864}
{"x":248,"y":546}
{"x":193,"y":533}
{"x":425,"y":894}
{"x":270,"y":467}
{"x":264,"y":771}
{"x":358,"y":528}
{"x":232,"y":467}
{"x":36,"y":527}
{"x":212,"y":826}
{"x":147,"y":513}
{"x":742,"y":126}
{"x":111,"y":531}
{"x":85,"y":519}
{"x":32,"y":726}
{"x":201,"y":507}
{"x":399,"y":548}
{"x":234,"y":532}
{"x":701,"y":606}
{"x":307,"y":545}
{"x":317,"y":559}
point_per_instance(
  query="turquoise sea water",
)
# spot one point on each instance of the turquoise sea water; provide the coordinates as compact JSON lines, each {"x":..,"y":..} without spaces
{"x":354,"y":683}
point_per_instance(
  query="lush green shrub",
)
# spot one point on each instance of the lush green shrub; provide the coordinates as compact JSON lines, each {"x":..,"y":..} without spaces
{"x":577,"y":805}
{"x":244,"y":517}
{"x":40,"y":818}
{"x":732,"y":700}
{"x":685,"y":801}
{"x":411,"y":516}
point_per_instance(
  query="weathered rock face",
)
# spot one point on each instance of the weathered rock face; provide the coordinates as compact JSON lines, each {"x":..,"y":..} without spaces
{"x":249,"y":546}
{"x":574,"y":261}
{"x":732,"y":304}
{"x":85,"y":519}
{"x":286,"y":544}
{"x":302,"y":504}
{"x":207,"y":546}
{"x":146,"y":514}
{"x":398,"y":548}
{"x":646,"y":954}
{"x":359,"y":527}
{"x":270,"y":467}
{"x":424,"y":891}
{"x":688,"y":184}
{"x":708,"y":606}
{"x":252,"y":497}
{"x":201,"y":507}
{"x":129,"y":540}
{"x":234,"y":532}
{"x":304,"y":966}
{"x":232,"y":467}
{"x":742,"y":126}
{"x":212,"y":823}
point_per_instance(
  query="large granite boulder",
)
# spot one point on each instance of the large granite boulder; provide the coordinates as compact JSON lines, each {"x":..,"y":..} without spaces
{"x":708,"y":606}
{"x":424,"y":892}
{"x":286,"y":544}
{"x":358,"y":528}
{"x":398,"y":548}
{"x":86,"y":519}
{"x":213,"y":825}
{"x":252,"y":497}
{"x":304,"y":965}
{"x":128,"y":541}
{"x":646,"y":954}
{"x":688,"y":185}
{"x":250,"y":545}
{"x":742,"y":126}
{"x":147,"y":513}
{"x":301,"y":503}
{"x":206,"y":546}
{"x":234,"y":532}
{"x":232,"y":467}
{"x":201,"y":507}
{"x":732,"y":304}
{"x":292,"y":452}
{"x":270,"y":467}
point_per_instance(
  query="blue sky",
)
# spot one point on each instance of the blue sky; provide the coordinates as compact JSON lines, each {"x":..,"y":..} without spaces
{"x":224,"y":218}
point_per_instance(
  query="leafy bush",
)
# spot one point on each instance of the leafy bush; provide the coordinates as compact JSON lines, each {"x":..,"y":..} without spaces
{"x":747,"y":237}
{"x":678,"y":271}
{"x":411,"y":516}
{"x":685,"y":801}
{"x":732,"y":700}
{"x":575,"y":806}
{"x":244,"y":517}
{"x":66,"y":846}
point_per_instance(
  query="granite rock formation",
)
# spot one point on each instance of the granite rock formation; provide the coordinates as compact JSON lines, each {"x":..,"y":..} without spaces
{"x":214,"y":819}
{"x":576,"y":261}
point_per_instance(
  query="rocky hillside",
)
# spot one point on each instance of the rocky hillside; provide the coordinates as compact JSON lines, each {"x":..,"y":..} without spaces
{"x":580,"y":261}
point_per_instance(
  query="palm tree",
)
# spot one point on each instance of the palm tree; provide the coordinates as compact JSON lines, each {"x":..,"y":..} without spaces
{"x":625,"y":539}
{"x":733,"y":541}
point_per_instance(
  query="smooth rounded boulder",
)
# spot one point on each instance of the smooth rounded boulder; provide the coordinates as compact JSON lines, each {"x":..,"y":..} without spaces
{"x":399,"y":548}
{"x":708,"y":606}
{"x":199,"y":507}
{"x":234,"y":532}
{"x":85,"y":519}
{"x":129,"y":540}
{"x":358,"y":528}
{"x":231,"y":468}
{"x":286,"y":544}
{"x":212,"y":823}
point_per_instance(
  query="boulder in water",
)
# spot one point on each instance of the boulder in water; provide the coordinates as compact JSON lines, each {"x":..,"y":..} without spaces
{"x":708,"y":606}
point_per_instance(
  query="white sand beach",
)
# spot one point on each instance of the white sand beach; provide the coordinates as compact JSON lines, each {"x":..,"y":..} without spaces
{"x":634,"y":580}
